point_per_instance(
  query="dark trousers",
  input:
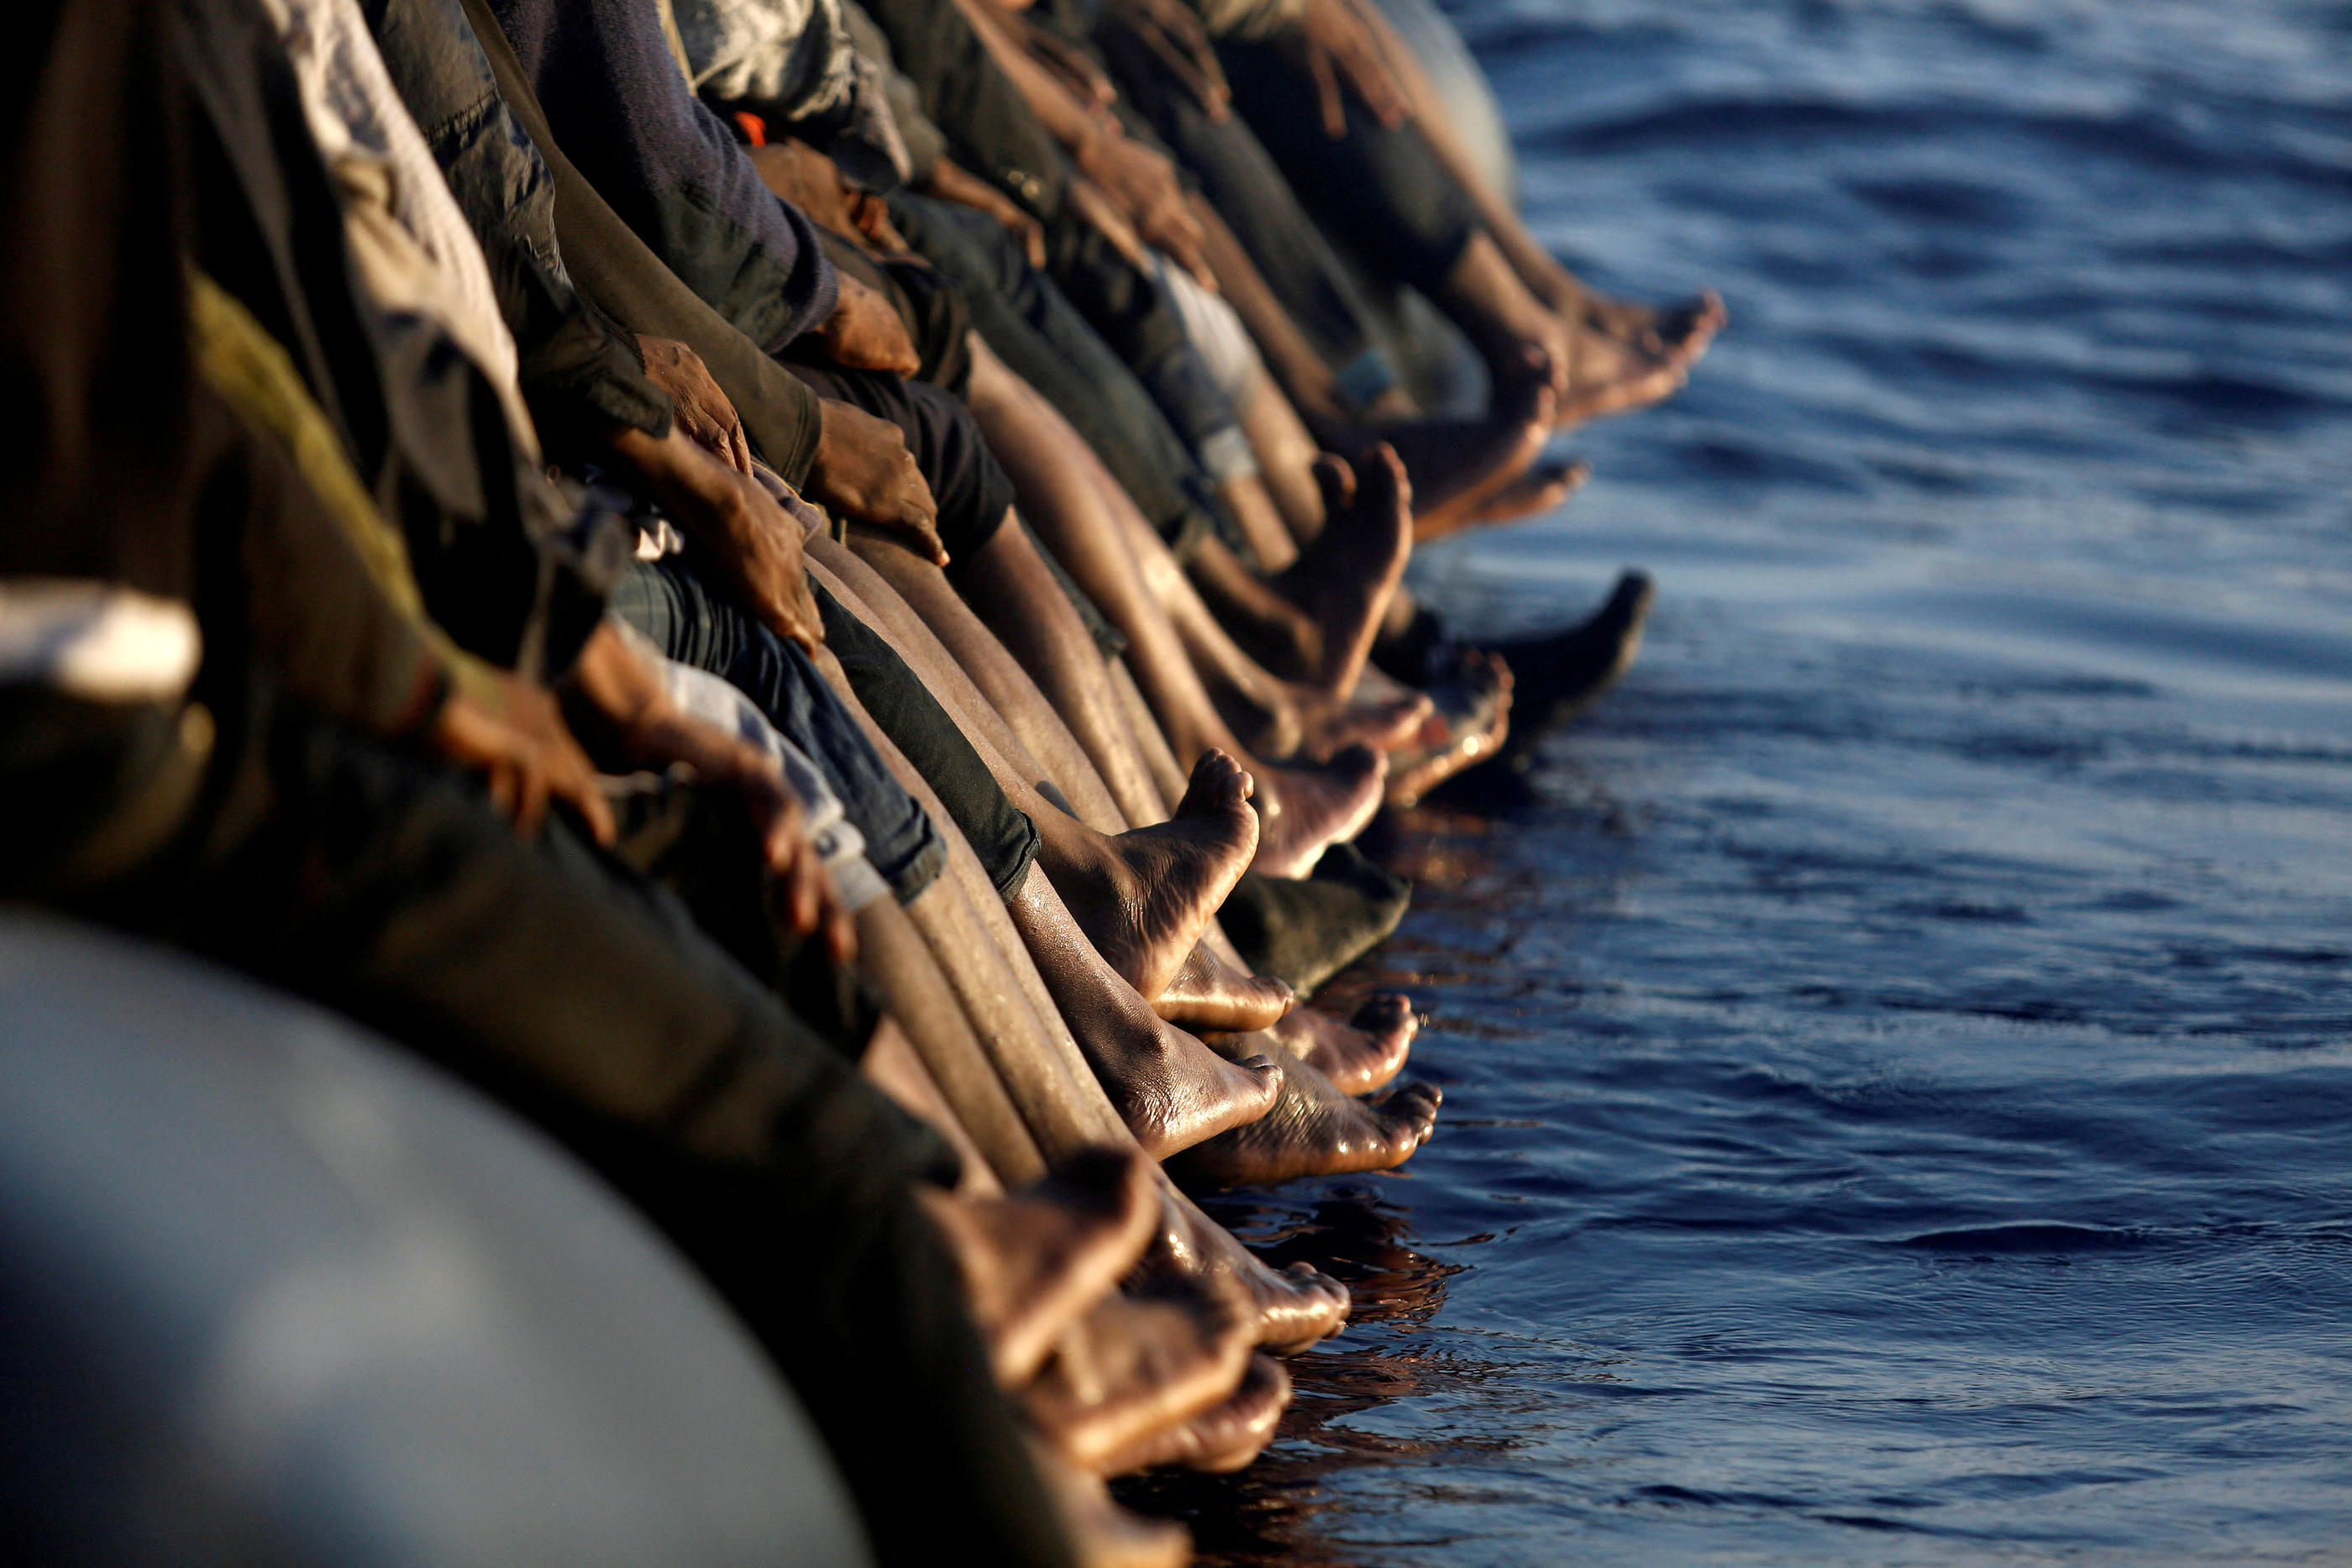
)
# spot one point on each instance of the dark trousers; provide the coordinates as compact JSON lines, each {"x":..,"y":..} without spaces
{"x":679,"y":616}
{"x":1237,"y":176}
{"x":384,"y":886}
{"x":1132,"y":311}
{"x":1040,"y":336}
{"x":1383,"y":193}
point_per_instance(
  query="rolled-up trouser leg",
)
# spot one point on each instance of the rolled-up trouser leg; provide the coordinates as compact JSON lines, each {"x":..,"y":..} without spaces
{"x":683,"y":619}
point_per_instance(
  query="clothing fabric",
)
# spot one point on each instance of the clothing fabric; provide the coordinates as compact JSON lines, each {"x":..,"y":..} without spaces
{"x":679,"y":616}
{"x":1031,"y":326}
{"x":1381,"y":191}
{"x":794,"y":63}
{"x":923,"y":140}
{"x":411,"y":245}
{"x":579,"y":372}
{"x":1223,"y":345}
{"x":505,"y":569}
{"x":619,"y":105}
{"x":1222,"y":156}
{"x":989,"y":127}
{"x":903,"y":708}
{"x":835,"y":840}
{"x":781,"y":416}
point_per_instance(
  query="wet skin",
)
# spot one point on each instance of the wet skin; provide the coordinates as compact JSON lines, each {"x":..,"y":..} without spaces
{"x":1035,"y":1261}
{"x":1133,"y":1367}
{"x":1222,"y":1440}
{"x":1146,"y":897}
{"x":1356,"y":1054}
{"x":1315,"y":1129}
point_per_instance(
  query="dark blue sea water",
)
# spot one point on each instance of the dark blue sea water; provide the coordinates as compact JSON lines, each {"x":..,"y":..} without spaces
{"x":1899,"y":1077}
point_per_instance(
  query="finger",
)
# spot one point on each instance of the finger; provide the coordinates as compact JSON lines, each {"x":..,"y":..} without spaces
{"x":739,"y":450}
{"x":597,"y":812}
{"x":806,"y":895}
{"x":530,"y":800}
{"x":840,"y":931}
{"x":1326,"y":93}
{"x":1032,"y":240}
{"x":500,"y":780}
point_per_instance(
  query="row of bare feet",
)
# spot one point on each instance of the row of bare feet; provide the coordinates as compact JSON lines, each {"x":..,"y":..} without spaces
{"x":1131,"y":1331}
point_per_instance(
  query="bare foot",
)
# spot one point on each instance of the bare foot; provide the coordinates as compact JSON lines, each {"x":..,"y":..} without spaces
{"x":1219,"y":1440}
{"x":1679,"y":333}
{"x":1146,"y":904}
{"x":1358,"y":1054}
{"x":1129,"y":1369}
{"x":1210,"y":994}
{"x":1102,"y":1533}
{"x":1033,"y":1262}
{"x":1330,"y":725}
{"x":1315,"y":1129}
{"x":1344,"y":578}
{"x":1172,"y":1091}
{"x":1526,"y":409}
{"x":1608,"y":376}
{"x":1539,"y":489}
{"x":1302,"y":812}
{"x":1473,"y":720}
{"x":1292,"y":1308}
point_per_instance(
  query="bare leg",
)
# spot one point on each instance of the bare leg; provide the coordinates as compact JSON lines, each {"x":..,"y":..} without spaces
{"x":1043,"y":1071}
{"x":1287,"y":451}
{"x":1304,"y":809}
{"x":1280,"y":717}
{"x":893,"y":956}
{"x":1159,"y":757}
{"x":1017,"y":595}
{"x":1250,"y":499}
{"x":1147,"y":896}
{"x":1680,"y":333}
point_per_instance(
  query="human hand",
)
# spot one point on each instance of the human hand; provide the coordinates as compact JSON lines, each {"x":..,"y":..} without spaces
{"x":525,"y":754}
{"x":864,"y":471}
{"x":754,"y":543}
{"x":952,"y":183}
{"x":704,"y":411}
{"x":865,"y":333}
{"x":1143,"y":182}
{"x":811,"y":903}
{"x":1335,"y":46}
